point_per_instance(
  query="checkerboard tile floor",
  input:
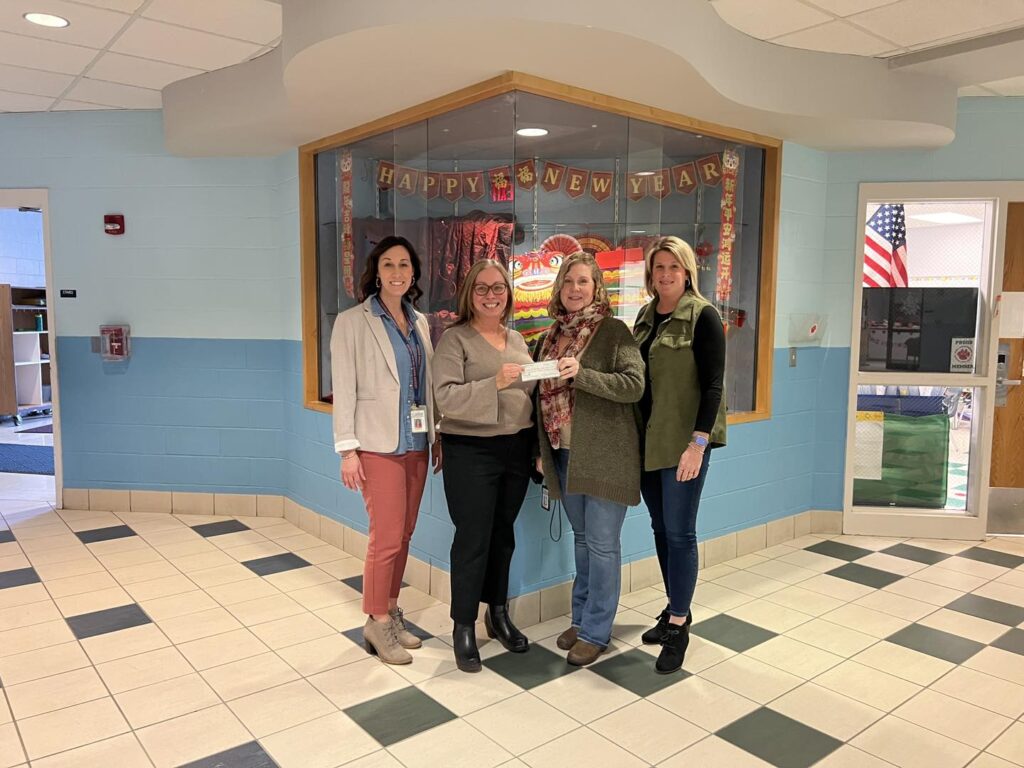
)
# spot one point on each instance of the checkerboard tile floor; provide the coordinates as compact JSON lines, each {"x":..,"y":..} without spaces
{"x":159,"y":640}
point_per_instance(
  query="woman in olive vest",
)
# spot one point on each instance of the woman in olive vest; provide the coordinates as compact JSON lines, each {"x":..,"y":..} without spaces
{"x":682,"y":341}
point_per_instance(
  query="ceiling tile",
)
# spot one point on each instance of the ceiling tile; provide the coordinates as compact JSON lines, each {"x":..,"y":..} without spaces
{"x":255,"y":20}
{"x":115,"y":94}
{"x":849,"y":7}
{"x":118,"y":68}
{"x":42,"y":54}
{"x":765,"y":19}
{"x":20,"y":102}
{"x":33,"y":81}
{"x":125,"y":6}
{"x":912,"y":22}
{"x":91,"y":27}
{"x":187,"y":47}
{"x":1013,"y":86}
{"x":835,"y":37}
{"x":66,"y":105}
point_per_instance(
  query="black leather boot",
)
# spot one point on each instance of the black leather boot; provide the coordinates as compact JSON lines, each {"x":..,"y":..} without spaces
{"x":467,"y":656}
{"x":500,"y":627}
{"x":656,"y":634}
{"x":673,"y":649}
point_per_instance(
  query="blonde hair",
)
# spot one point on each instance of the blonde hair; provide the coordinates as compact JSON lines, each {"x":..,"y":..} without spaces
{"x":682,"y":253}
{"x":555,"y":306}
{"x":465,"y":305}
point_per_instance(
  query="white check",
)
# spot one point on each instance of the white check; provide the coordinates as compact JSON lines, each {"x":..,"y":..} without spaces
{"x":545,"y":370}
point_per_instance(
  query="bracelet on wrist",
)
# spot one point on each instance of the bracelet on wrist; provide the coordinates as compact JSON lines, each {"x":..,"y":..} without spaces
{"x":696,"y":447}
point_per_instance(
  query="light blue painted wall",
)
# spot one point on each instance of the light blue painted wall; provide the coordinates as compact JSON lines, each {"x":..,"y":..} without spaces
{"x":21,"y":248}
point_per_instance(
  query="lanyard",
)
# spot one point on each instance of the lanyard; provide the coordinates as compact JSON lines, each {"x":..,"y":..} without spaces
{"x":412,"y":346}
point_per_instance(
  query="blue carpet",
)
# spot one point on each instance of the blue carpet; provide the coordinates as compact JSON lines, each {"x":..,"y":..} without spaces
{"x":26,"y":459}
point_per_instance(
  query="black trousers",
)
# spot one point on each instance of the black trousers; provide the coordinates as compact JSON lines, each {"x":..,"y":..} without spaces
{"x":485,"y":482}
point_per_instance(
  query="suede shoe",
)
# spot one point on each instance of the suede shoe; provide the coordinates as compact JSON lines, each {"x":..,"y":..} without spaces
{"x":405,"y":638}
{"x":584,"y":653}
{"x":656,"y":634}
{"x":379,"y":640}
{"x":567,"y":639}
{"x":673,"y":649}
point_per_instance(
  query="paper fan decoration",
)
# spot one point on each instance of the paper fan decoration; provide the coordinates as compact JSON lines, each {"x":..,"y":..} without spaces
{"x":594,"y":243}
{"x":563,"y":244}
{"x":637,"y":241}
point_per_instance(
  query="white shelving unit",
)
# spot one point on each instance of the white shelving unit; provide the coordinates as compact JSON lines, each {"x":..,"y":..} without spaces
{"x":24,"y":352}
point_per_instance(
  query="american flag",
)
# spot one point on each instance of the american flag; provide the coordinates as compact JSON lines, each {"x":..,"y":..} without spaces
{"x":885,"y":248}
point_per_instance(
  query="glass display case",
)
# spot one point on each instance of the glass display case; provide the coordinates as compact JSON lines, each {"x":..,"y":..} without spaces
{"x":527,"y":179}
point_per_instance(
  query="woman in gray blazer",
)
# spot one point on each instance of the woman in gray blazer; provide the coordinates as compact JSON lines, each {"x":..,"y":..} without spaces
{"x":383,"y":427}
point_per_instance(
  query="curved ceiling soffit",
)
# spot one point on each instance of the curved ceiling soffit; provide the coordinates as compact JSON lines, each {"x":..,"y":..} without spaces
{"x":344,"y":63}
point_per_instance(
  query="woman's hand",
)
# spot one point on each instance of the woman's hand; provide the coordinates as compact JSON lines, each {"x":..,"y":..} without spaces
{"x":540,"y":467}
{"x":435,"y":455}
{"x":352,"y":476}
{"x":508,"y":374}
{"x":568,"y":367}
{"x":689,"y":464}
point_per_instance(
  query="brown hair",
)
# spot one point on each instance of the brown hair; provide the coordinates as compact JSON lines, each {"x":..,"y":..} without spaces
{"x":465,"y":306}
{"x":368,"y":282}
{"x":555,"y":306}
{"x":682,"y":253}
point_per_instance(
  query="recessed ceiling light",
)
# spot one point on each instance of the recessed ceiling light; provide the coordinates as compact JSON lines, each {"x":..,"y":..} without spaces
{"x":532,"y":132}
{"x":593,"y":125}
{"x":638,"y":231}
{"x":645,"y":173}
{"x":945,"y":217}
{"x":46,"y":20}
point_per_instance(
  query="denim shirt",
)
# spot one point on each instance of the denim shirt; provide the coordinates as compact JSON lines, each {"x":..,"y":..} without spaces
{"x":408,"y":397}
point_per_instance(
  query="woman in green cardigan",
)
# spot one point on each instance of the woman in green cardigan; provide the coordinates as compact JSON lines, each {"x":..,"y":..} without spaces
{"x":682,"y":341}
{"x":589,"y":443}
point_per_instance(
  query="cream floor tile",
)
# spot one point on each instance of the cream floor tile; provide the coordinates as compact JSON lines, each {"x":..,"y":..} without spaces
{"x":247,"y":676}
{"x":1000,"y":663}
{"x":357,"y":682}
{"x":812,"y":561}
{"x":125,"y":642}
{"x":804,"y":600}
{"x":325,"y":742}
{"x":264,"y":609}
{"x":751,"y":584}
{"x":952,"y":579}
{"x":874,"y":543}
{"x":237,"y":539}
{"x":41,"y":532}
{"x":71,"y":727}
{"x":193,"y":736}
{"x":300,"y":578}
{"x":1014,"y":578}
{"x":342,"y":569}
{"x":432,"y":659}
{"x":300,"y":543}
{"x":77,"y":551}
{"x":1003,"y":592}
{"x":243,"y":591}
{"x":22,"y":639}
{"x":27,"y":615}
{"x":951,"y":717}
{"x":222,"y":649}
{"x":191,"y":546}
{"x":583,"y":745}
{"x":223,"y":574}
{"x":719,"y":598}
{"x":851,"y":757}
{"x":841,"y":589}
{"x":911,"y":746}
{"x":983,"y":690}
{"x":11,"y":752}
{"x":751,"y":678}
{"x":195,"y":626}
{"x":584,"y":696}
{"x":629,"y":625}
{"x":201,"y":562}
{"x":146,"y":572}
{"x":702,"y":654}
{"x":868,"y":685}
{"x":964,"y":625}
{"x":166,"y":700}
{"x":42,"y":662}
{"x":412,"y":599}
{"x":521,"y":723}
{"x":985,"y":760}
{"x":462,"y":693}
{"x":68,"y":569}
{"x":891,"y":563}
{"x":714,"y":751}
{"x":280,"y":530}
{"x":77,"y":585}
{"x":744,"y":562}
{"x":161,"y":587}
{"x":131,"y":558}
{"x":183,"y":604}
{"x":780,"y":571}
{"x":55,"y":692}
{"x":113,"y":546}
{"x":280,"y":708}
{"x":322,"y":654}
{"x":88,"y":602}
{"x":865,"y":620}
{"x":256,"y":550}
{"x":949,"y":546}
{"x":30,"y":593}
{"x":178,"y":534}
{"x":794,"y":657}
{"x":892,"y":604}
{"x":143,"y":669}
{"x":123,"y":751}
{"x":925,"y":591}
{"x":776,"y":618}
{"x":833,"y":638}
{"x":324,"y":595}
{"x":11,"y":562}
{"x":976,"y":568}
{"x":292,"y":630}
{"x":434,"y":747}
{"x":648,"y":731}
{"x":830,"y":712}
{"x":5,"y":711}
{"x":1010,"y":746}
{"x":703,"y":703}
{"x":324,"y":553}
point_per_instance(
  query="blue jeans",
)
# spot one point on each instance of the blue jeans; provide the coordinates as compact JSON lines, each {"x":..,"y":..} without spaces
{"x":597,"y":531}
{"x":673,"y":507}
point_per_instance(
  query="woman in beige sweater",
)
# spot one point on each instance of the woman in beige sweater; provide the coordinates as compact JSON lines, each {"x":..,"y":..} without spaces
{"x":487,"y":424}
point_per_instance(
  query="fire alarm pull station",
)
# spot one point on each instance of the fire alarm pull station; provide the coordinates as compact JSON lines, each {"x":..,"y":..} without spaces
{"x":113,"y":224}
{"x":115,"y":342}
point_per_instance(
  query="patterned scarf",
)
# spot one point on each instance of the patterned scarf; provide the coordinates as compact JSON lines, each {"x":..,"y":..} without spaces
{"x":557,"y":396}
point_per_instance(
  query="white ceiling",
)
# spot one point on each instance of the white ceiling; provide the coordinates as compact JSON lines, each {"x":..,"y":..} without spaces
{"x":880,"y":28}
{"x":121,"y":53}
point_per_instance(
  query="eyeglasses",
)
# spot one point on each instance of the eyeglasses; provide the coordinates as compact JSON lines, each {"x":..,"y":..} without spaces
{"x":498,"y":289}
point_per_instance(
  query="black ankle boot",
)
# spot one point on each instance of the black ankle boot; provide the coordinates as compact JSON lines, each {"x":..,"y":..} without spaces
{"x":656,"y":634}
{"x":673,"y":649}
{"x":467,"y":656}
{"x":500,"y":627}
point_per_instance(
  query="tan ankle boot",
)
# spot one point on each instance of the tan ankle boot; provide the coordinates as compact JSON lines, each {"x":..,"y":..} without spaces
{"x":405,"y":638}
{"x":379,"y":638}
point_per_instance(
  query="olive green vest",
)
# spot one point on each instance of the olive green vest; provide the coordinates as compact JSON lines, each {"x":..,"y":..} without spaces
{"x":675,"y":387}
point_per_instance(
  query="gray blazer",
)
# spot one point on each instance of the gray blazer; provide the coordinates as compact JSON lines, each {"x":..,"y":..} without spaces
{"x":364,"y":374}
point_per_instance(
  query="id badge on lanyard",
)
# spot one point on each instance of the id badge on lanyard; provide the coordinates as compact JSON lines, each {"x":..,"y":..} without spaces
{"x":418,"y":416}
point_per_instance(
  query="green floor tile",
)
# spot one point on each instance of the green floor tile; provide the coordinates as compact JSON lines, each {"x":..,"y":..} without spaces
{"x":634,"y":671}
{"x":779,"y":740}
{"x":399,"y":715}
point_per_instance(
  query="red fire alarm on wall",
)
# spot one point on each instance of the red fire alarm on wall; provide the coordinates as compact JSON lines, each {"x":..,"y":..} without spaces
{"x":113,"y":224}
